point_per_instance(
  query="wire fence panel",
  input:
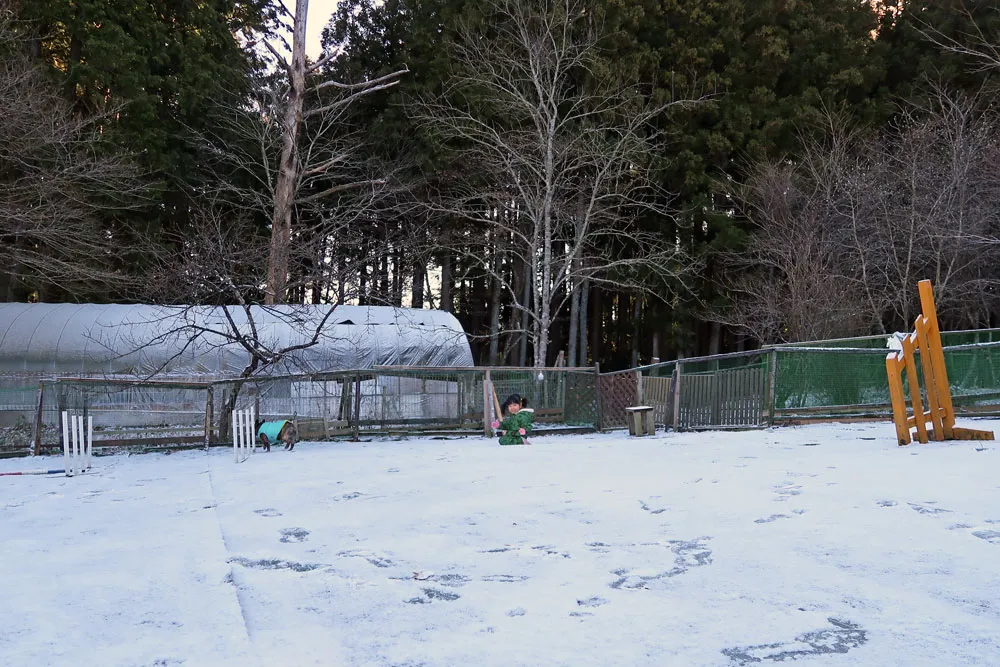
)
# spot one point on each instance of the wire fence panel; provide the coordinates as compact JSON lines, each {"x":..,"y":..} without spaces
{"x":581,"y":406}
{"x":747,"y":389}
{"x":618,"y":391}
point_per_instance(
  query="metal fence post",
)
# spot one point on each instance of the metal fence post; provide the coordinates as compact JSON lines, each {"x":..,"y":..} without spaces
{"x":597,"y":395}
{"x":772,"y":374}
{"x":675,"y":387}
{"x":487,"y":401}
{"x":357,"y":408}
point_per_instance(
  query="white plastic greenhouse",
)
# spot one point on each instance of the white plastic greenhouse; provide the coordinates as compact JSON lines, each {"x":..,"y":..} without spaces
{"x":39,"y":340}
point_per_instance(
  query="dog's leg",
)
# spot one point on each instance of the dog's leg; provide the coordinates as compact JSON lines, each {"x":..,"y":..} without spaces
{"x":266,"y":442}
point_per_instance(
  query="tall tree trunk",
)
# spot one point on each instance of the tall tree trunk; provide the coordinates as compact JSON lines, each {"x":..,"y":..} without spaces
{"x":495,"y":314}
{"x":397,"y":278}
{"x":383,"y":278}
{"x":288,"y":167}
{"x":574,"y":322}
{"x":584,"y":303}
{"x":417,"y":293}
{"x":597,"y":321}
{"x":446,"y":280}
{"x":341,"y":281}
{"x":363,"y":279}
{"x":319,"y":276}
{"x":522,"y":355}
{"x":714,"y":338}
{"x":636,"y":314}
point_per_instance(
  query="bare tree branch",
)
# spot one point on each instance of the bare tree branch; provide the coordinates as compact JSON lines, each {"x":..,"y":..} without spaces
{"x":558,"y":168}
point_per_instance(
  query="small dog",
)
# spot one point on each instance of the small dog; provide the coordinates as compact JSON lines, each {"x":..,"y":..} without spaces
{"x":283,"y":430}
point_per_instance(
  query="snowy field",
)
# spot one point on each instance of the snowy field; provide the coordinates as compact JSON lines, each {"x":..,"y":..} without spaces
{"x":822,"y":545}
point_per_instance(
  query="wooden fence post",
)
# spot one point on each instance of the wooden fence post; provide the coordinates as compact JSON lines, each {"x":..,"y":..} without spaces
{"x":209,"y":414}
{"x":37,"y":446}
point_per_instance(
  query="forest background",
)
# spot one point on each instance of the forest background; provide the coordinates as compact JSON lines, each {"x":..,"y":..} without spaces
{"x":612,"y":180}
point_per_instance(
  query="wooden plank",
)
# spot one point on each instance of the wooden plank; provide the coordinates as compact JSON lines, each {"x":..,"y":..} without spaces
{"x":758,"y":401}
{"x":39,"y":404}
{"x":971,"y":434}
{"x":730,"y":399}
{"x":716,"y":382}
{"x":894,"y":363}
{"x":936,"y":357}
{"x":741,"y":405}
{"x":929,"y":383}
{"x":209,"y":414}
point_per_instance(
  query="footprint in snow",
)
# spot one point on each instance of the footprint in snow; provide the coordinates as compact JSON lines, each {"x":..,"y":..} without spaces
{"x":647,"y":508}
{"x":294,"y":534}
{"x":926,"y":509}
{"x":269,"y":511}
{"x":841,"y":638}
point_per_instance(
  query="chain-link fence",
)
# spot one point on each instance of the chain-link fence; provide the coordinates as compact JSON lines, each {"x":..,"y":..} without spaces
{"x":151,"y":413}
{"x":842,"y":379}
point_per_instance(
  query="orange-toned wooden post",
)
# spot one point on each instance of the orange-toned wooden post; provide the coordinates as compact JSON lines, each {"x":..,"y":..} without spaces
{"x":935,"y":353}
{"x":919,"y":419}
{"x":940,"y":409}
{"x":893,"y":367}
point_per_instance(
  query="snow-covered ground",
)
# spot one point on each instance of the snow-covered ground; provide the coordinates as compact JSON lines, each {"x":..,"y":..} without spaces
{"x":823,"y":545}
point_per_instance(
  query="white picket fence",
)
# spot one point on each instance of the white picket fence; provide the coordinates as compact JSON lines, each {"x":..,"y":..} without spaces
{"x":78,"y":443}
{"x":244,"y":434}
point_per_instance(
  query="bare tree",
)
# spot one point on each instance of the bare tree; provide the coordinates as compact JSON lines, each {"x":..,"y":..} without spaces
{"x":980,"y":49}
{"x":60,"y":186}
{"x":843,"y":232}
{"x":296,"y":169}
{"x":553,"y":163}
{"x":788,"y":283}
{"x":341,"y":198}
{"x":220,"y":264}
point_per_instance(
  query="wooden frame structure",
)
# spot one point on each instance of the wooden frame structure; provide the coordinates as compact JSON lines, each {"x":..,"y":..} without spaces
{"x":940,"y":413}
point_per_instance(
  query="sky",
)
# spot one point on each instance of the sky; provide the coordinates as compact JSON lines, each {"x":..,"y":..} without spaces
{"x":319,"y":14}
{"x":816,"y":546}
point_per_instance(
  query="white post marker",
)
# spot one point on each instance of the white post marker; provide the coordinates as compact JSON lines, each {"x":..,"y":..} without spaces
{"x":65,"y":436}
{"x":244,"y":441}
{"x":236,"y":436}
{"x":78,"y":436}
{"x":78,"y":443}
{"x":90,"y":440}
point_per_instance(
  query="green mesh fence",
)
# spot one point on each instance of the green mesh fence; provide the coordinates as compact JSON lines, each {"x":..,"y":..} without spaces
{"x":820,"y":378}
{"x":853,"y":381}
{"x":948,"y":339}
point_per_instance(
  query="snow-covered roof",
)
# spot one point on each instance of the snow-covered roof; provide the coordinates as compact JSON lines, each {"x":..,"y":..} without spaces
{"x":88,"y":339}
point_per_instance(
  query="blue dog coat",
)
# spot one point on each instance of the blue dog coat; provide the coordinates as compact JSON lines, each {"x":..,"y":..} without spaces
{"x":271,"y":429}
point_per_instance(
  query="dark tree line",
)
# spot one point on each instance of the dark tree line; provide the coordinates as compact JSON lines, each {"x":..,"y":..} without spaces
{"x":613,"y":181}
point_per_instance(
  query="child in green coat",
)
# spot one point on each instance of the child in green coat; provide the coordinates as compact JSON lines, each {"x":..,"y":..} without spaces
{"x":513,"y":427}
